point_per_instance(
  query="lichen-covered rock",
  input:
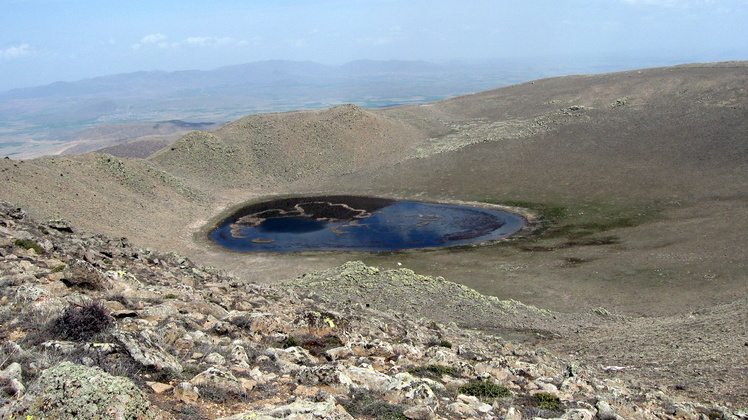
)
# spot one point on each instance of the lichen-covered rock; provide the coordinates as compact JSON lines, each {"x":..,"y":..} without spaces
{"x":83,"y":274}
{"x":368,"y":378}
{"x":413,"y":391}
{"x":323,"y":375}
{"x":578,"y":414}
{"x":69,"y":390}
{"x":146,"y":352}
{"x":420,"y":412}
{"x":298,"y":410}
{"x":220,"y":378}
{"x":295,"y":355}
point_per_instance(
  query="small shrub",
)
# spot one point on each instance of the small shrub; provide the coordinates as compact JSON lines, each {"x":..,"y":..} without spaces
{"x":80,"y":323}
{"x":715,"y":415}
{"x":220,"y":396}
{"x":291,"y":341}
{"x":445,"y":343}
{"x":367,"y":405}
{"x":316,"y":345}
{"x":484,"y":389}
{"x":214,"y":394}
{"x":28,"y":244}
{"x":438,"y":342}
{"x":189,"y":412}
{"x":547,"y":401}
{"x":433,"y":371}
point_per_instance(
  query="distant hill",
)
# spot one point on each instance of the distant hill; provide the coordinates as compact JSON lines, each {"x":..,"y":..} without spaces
{"x":132,"y":139}
{"x":46,"y":119}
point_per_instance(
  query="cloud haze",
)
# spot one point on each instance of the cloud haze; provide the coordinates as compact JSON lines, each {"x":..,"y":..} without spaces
{"x":14,"y":52}
{"x":47,"y":40}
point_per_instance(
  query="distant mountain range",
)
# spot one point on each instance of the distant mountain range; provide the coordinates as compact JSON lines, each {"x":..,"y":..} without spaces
{"x":42,"y":120}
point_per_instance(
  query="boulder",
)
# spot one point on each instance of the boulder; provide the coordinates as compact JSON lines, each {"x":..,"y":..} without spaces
{"x":146,"y":352}
{"x":70,"y":390}
{"x":11,"y":376}
{"x":368,"y":378}
{"x":186,"y":393}
{"x":84,"y":275}
{"x":323,"y":375}
{"x":220,"y":378}
{"x":300,"y":409}
{"x":420,"y":412}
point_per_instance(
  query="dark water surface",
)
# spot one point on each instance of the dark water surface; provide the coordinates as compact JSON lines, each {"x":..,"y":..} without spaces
{"x":347,"y":223}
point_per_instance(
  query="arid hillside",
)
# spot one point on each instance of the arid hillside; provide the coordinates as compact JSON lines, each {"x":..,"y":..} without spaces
{"x":639,"y":179}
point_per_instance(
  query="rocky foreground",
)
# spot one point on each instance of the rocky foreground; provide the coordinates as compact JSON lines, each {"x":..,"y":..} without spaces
{"x":94,"y":328}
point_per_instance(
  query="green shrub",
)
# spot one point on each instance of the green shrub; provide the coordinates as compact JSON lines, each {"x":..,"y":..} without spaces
{"x":28,"y":244}
{"x":433,"y":342}
{"x":445,"y":343}
{"x":434,"y":371}
{"x":546,"y":211}
{"x":547,"y":401}
{"x":484,"y":389}
{"x":291,"y":341}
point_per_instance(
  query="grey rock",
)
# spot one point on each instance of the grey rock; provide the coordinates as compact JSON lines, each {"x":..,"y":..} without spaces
{"x":83,"y":274}
{"x":220,"y":378}
{"x":420,"y":412}
{"x":323,"y":375}
{"x":140,"y":346}
{"x":59,"y":225}
{"x":215,"y":359}
{"x":326,"y":410}
{"x":186,"y":393}
{"x":239,"y":355}
{"x":578,"y":414}
{"x":368,"y":378}
{"x":12,"y":376}
{"x":606,"y":412}
{"x":69,"y":390}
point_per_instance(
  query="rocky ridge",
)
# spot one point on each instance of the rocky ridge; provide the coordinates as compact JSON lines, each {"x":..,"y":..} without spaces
{"x":92,"y":326}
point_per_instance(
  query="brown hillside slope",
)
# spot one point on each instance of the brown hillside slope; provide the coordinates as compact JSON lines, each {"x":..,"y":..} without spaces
{"x":106,"y":135}
{"x":278,"y":148}
{"x":663,"y":146}
{"x":650,"y":167}
{"x":101,"y":193}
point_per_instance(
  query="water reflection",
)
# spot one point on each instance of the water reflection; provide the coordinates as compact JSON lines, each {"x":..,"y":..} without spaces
{"x":359,"y":224}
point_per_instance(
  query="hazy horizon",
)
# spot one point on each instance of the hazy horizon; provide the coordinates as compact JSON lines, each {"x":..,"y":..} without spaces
{"x":45,"y":41}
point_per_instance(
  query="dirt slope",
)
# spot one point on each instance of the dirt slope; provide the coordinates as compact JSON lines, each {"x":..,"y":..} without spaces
{"x":641,"y":177}
{"x":278,"y":148}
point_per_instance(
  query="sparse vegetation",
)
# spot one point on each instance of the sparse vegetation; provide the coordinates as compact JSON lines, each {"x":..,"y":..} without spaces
{"x":434,"y":371}
{"x":484,"y":389}
{"x":548,"y":212}
{"x":29,"y":244}
{"x":371,"y":406}
{"x":547,"y":401}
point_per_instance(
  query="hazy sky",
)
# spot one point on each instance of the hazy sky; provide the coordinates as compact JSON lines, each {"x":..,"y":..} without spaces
{"x":42,"y":41}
